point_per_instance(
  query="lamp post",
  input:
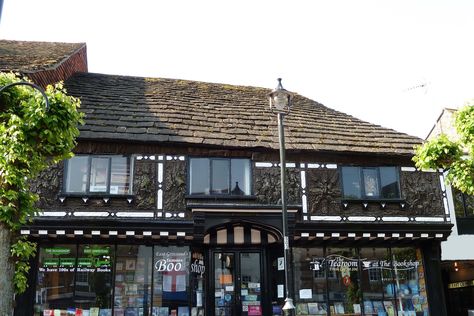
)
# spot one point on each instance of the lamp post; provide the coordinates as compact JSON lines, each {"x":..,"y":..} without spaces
{"x":24,"y":83}
{"x":280,"y":103}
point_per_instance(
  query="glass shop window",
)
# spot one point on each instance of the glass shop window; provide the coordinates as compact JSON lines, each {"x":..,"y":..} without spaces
{"x":55,"y":282}
{"x":98,"y":174}
{"x":219,"y":176}
{"x":370,"y":183}
{"x":171,"y":291}
{"x":378,"y":288}
{"x":344,"y":290}
{"x":133,"y":271}
{"x":74,"y":283}
{"x":310,"y":278}
{"x":197,"y":275}
{"x":410,"y":289}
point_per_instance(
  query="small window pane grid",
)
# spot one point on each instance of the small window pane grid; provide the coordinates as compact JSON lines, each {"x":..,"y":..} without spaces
{"x":219,"y":177}
{"x":370,"y":183}
{"x":117,"y":280}
{"x":98,"y":175}
{"x":398,"y":286}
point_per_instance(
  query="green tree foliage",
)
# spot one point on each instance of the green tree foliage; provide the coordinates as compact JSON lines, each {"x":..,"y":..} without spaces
{"x":455,"y":156}
{"x":31,"y":138}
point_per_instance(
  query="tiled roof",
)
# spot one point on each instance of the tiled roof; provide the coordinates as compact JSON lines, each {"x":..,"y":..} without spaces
{"x":29,"y":57}
{"x":179,"y":111}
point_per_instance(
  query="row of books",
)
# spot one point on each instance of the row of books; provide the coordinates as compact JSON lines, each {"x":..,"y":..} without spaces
{"x":71,"y":311}
{"x":384,"y":308}
{"x":129,"y":311}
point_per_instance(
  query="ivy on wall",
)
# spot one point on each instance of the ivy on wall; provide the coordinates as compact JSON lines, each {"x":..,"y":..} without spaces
{"x":32,"y":138}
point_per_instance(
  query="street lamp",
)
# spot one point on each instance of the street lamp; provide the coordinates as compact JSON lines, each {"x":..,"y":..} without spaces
{"x":280,"y":103}
{"x":24,"y":83}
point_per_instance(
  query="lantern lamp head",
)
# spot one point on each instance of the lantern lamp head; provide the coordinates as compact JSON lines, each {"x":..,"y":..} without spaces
{"x":280,"y":99}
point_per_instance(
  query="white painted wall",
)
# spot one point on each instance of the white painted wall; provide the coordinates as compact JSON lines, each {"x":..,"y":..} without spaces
{"x":457,"y":247}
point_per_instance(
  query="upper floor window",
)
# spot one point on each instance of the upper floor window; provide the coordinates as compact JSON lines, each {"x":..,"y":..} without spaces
{"x":370,"y":182}
{"x":463,"y":204}
{"x":219,"y":176}
{"x":98,"y":174}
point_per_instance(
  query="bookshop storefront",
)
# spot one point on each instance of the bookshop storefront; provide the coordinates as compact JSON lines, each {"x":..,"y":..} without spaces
{"x":118,"y":279}
{"x":360,"y":281}
{"x":180,"y":280}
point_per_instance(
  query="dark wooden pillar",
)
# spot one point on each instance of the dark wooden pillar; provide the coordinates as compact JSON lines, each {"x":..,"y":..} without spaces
{"x":434,"y":281}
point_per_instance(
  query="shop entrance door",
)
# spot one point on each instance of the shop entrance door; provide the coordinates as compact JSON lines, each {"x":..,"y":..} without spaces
{"x":238,"y":285}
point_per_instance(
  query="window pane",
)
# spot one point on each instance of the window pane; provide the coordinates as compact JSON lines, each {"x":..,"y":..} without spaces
{"x":199,"y":176}
{"x":171,"y":281}
{"x":377,"y":281}
{"x":351,"y":182}
{"x":310,"y":273}
{"x":99,"y":174}
{"x":220,"y":176}
{"x":240,"y":177}
{"x":410,"y":281}
{"x":469,"y":204}
{"x":224,"y":280}
{"x":371,"y":182}
{"x":55,"y":283}
{"x":133,"y":280}
{"x":389,"y":182}
{"x":342,"y":266}
{"x":120,"y":176}
{"x":94,"y":277}
{"x":77,"y":170}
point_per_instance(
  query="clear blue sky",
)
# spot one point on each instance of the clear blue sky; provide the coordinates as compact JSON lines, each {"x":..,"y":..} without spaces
{"x":359,"y":57}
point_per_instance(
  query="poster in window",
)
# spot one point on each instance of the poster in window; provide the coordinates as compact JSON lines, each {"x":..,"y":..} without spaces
{"x":130,"y":265}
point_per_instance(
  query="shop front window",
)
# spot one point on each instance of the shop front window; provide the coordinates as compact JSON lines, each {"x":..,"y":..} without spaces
{"x":344,"y":289}
{"x":171,"y":280}
{"x":74,"y":280}
{"x":132,"y":292}
{"x":310,"y":276}
{"x":377,"y":284}
{"x":410,"y":282}
{"x":55,"y":284}
{"x":359,"y":281}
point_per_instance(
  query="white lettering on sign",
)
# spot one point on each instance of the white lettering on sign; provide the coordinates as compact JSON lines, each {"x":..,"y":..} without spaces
{"x":168,"y":265}
{"x":341,"y":263}
{"x":198,"y":267}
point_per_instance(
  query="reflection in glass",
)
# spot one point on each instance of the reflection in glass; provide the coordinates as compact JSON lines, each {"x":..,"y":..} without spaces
{"x":351,"y":182}
{"x":310,"y":273}
{"x":250,"y":283}
{"x":171,"y":280}
{"x":220,"y":176}
{"x":77,"y":171}
{"x":389,"y":182}
{"x":133,"y":280}
{"x":240,"y":173}
{"x":199,"y":176}
{"x":120,"y":175}
{"x":224,"y":298}
{"x":377,"y":281}
{"x":55,"y":283}
{"x":371,"y":182}
{"x":99,"y":174}
{"x":344,"y":289}
{"x":409,"y":277}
